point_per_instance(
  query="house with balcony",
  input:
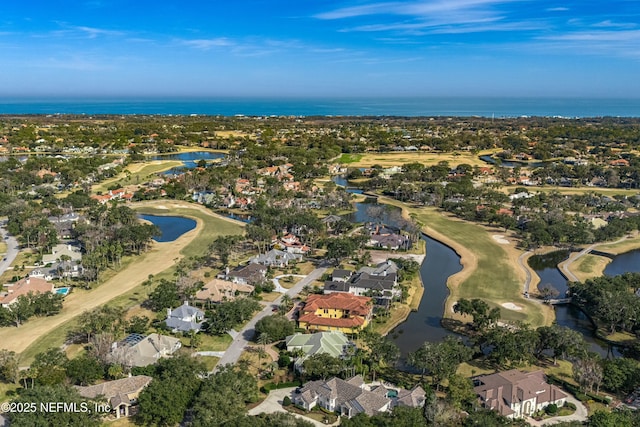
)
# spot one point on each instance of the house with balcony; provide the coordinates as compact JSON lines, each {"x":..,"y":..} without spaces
{"x":339,"y":311}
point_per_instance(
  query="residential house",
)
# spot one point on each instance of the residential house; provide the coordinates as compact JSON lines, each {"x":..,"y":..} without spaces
{"x":516,"y":394}
{"x":185,"y":318}
{"x":275,"y":258}
{"x":138,"y":350}
{"x":25,"y":286}
{"x":619,"y":162}
{"x":348,"y":398}
{"x":68,"y":250}
{"x":121,"y":394}
{"x":380,"y":282}
{"x":399,"y":396}
{"x":217,"y":290}
{"x":292,"y":244}
{"x":333,"y":343}
{"x":250,"y":274}
{"x":336,"y":312}
{"x":386,"y":237}
{"x":59,"y":270}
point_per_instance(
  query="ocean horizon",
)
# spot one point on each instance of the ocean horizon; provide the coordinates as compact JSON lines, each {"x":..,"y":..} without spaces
{"x":498,"y":107}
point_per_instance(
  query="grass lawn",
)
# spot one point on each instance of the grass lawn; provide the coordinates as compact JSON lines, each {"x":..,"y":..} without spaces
{"x":626,"y":245}
{"x":509,"y":189}
{"x":3,"y":248}
{"x":136,"y":173}
{"x":7,"y":391}
{"x":270,"y":296}
{"x":488,"y":272}
{"x":214,"y":342}
{"x":426,"y":158}
{"x":350,"y":158}
{"x":589,"y":266}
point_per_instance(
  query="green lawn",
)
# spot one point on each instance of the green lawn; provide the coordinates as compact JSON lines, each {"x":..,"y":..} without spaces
{"x":349,"y":158}
{"x":137,"y":174}
{"x":494,"y":278}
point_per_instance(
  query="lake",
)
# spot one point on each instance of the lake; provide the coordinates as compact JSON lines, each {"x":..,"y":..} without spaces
{"x":189,"y":159}
{"x":171,"y":227}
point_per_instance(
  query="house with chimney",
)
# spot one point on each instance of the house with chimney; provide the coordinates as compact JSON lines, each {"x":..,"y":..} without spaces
{"x":516,"y":394}
{"x":23,"y":287}
{"x":185,"y":318}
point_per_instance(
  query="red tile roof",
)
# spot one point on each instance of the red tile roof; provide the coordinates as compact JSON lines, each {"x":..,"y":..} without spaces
{"x":357,"y":305}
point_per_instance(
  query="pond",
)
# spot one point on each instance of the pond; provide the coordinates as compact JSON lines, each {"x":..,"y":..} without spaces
{"x":189,"y":159}
{"x":342,"y":181}
{"x":546,"y":266}
{"x":171,"y":227}
{"x":628,"y":262}
{"x":511,"y":163}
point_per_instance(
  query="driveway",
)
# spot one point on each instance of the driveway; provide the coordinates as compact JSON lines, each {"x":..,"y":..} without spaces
{"x":233,"y":352}
{"x":273,"y":403}
{"x":579,"y":415}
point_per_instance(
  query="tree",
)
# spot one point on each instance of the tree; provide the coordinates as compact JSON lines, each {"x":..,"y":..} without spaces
{"x":381,"y":351}
{"x":322,"y":365}
{"x":84,"y":370}
{"x":479,"y":310}
{"x":223,"y":397}
{"x":164,"y":296}
{"x":440,"y":359}
{"x":276,"y":327}
{"x":175,"y":380}
{"x":47,"y":395}
{"x":49,"y":367}
{"x":8,"y":366}
{"x":587,"y":371}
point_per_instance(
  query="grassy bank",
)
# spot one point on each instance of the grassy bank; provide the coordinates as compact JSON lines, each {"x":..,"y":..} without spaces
{"x":489,"y":271}
{"x":589,"y":266}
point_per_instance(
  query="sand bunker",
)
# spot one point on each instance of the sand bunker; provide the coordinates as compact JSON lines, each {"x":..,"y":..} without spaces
{"x":161,"y":207}
{"x":511,"y":306}
{"x":500,"y":239}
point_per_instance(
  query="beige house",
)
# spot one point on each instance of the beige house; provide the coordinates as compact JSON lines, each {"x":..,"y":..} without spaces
{"x":138,"y":350}
{"x":516,"y":394}
{"x":217,"y":290}
{"x":121,"y":394}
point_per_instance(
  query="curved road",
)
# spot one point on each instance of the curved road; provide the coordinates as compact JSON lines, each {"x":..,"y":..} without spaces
{"x":241,"y":340}
{"x":12,"y":248}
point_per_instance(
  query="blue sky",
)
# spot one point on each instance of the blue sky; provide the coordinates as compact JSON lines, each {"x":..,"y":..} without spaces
{"x":320,"y":48}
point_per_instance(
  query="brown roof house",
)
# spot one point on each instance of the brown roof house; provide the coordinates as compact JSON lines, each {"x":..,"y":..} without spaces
{"x":34,"y":285}
{"x":348,"y":398}
{"x":516,"y":394}
{"x":218,"y":290}
{"x":138,"y":350}
{"x":121,"y":394}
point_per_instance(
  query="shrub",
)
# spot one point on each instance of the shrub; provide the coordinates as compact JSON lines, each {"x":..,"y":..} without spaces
{"x":570,"y":405}
{"x":286,"y":401}
{"x":551,"y":409}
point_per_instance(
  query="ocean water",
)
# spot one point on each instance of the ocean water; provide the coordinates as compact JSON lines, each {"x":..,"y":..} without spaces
{"x":413,"y":107}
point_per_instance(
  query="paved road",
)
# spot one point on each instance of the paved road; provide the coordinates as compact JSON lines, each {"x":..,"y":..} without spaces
{"x":276,"y":282}
{"x":232,"y":354}
{"x":527,"y":281}
{"x":12,"y":249}
{"x":564,"y":266}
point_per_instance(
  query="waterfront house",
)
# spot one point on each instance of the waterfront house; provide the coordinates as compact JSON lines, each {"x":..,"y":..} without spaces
{"x":336,"y":312}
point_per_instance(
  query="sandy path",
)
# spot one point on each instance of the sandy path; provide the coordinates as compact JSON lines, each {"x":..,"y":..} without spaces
{"x":158,"y":259}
